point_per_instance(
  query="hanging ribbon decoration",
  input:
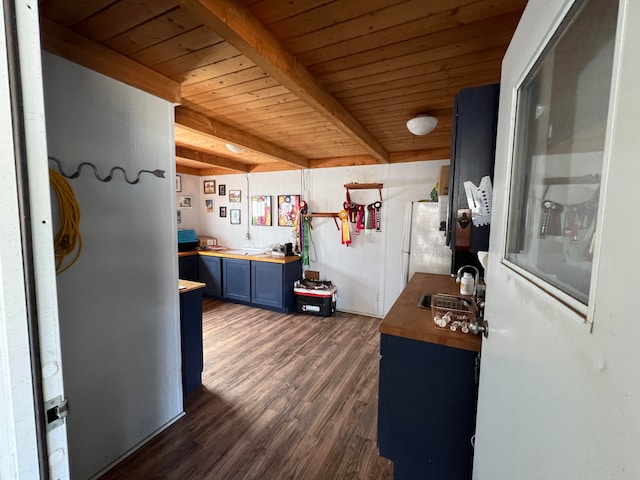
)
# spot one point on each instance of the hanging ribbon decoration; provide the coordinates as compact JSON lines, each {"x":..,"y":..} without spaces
{"x":377,"y":206}
{"x":359,"y":218}
{"x":305,"y":240}
{"x":297,"y":225}
{"x":346,"y":234}
{"x":302,"y":231}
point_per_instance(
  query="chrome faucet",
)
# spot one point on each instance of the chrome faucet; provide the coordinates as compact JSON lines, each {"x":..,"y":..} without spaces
{"x":476,"y":279}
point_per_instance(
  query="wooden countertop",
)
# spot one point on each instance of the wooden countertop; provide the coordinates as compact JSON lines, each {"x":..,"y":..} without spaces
{"x":406,"y":319}
{"x":241,"y":254}
{"x":188,"y":286}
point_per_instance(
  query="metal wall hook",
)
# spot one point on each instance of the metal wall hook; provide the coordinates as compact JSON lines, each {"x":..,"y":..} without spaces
{"x":158,"y":173}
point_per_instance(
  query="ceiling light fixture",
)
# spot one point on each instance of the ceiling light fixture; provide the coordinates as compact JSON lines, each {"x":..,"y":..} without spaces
{"x":234,"y":148}
{"x":422,"y":124}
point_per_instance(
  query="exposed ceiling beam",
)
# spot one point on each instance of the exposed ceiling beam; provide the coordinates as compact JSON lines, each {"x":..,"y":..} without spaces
{"x":394,"y":157}
{"x":210,"y":159}
{"x":64,"y":42}
{"x":187,"y":170}
{"x":196,"y":122}
{"x":233,"y":21}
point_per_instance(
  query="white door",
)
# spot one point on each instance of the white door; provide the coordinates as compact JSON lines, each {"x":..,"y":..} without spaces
{"x":559,"y":384}
{"x":28,"y":301}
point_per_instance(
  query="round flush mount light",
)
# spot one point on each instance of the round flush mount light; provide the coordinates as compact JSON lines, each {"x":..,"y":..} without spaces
{"x":234,"y":148}
{"x":422,"y":124}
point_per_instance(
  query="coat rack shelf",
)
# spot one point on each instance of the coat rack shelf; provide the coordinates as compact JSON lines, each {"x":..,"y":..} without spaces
{"x":325,"y":215}
{"x":365,"y":186}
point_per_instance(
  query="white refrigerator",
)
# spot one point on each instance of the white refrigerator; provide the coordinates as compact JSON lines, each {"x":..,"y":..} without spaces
{"x":423,"y":244}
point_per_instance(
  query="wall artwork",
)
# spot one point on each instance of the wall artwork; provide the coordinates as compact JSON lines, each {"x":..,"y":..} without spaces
{"x":234,"y":196}
{"x":223,"y":212}
{"x":235,"y":216}
{"x":208,"y":205}
{"x":261,"y":210}
{"x":222,"y":190}
{"x":209,"y":186}
{"x":178,"y":183}
{"x":185,"y":202}
{"x":288,"y":206}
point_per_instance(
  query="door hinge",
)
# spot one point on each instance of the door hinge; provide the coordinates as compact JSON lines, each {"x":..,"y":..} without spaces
{"x":57,"y":410}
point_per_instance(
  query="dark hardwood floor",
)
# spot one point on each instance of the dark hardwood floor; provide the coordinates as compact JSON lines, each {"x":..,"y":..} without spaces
{"x":283,"y":397}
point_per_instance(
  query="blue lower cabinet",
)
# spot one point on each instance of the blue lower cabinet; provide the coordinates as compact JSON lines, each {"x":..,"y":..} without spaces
{"x":191,"y":339}
{"x":426,"y":409}
{"x":237,"y":280}
{"x":188,"y":267}
{"x":211,"y":275}
{"x":272,"y":284}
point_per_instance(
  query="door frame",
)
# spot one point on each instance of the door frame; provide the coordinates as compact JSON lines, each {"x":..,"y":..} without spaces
{"x":31,"y":369}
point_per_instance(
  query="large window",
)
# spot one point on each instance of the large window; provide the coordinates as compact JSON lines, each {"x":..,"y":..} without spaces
{"x":561,"y":122}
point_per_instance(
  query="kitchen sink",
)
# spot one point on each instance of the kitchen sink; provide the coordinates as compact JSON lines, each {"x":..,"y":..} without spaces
{"x":425,"y":301}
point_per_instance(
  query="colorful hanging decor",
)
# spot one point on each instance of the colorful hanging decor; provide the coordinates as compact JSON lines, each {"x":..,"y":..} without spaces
{"x":346,"y":234}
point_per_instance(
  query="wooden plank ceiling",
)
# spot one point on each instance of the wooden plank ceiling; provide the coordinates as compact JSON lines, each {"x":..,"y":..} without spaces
{"x":295,"y":83}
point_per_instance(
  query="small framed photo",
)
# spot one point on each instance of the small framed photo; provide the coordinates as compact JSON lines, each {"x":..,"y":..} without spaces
{"x":208,"y":205}
{"x":234,"y":196}
{"x":179,"y":216}
{"x":288,"y":206}
{"x":223,"y":212}
{"x":178,"y":183}
{"x":209,"y":186}
{"x":222,"y":190}
{"x":235,"y":216}
{"x":185,"y":202}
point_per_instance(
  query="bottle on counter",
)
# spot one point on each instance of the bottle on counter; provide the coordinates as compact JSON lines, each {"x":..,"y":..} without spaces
{"x":467,"y":283}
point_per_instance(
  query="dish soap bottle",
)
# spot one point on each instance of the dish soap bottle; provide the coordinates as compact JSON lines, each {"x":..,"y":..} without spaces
{"x":467,"y":282}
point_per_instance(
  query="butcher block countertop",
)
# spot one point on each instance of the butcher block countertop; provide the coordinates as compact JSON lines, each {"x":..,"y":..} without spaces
{"x":406,"y":319}
{"x":187,"y":285}
{"x":242,"y":255}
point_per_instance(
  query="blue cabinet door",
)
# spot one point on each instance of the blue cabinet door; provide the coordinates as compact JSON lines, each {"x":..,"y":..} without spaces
{"x":188,"y":268}
{"x":211,"y":275}
{"x":427,"y":408}
{"x":237,"y":280}
{"x":267,"y":285}
{"x":191,"y":339}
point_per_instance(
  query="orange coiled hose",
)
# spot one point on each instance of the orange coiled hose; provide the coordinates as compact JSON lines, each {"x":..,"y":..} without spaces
{"x":68,"y":238}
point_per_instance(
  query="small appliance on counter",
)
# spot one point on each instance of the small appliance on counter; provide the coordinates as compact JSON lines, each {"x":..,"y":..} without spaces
{"x":282,"y":250}
{"x":316,"y":297}
{"x":187,"y":240}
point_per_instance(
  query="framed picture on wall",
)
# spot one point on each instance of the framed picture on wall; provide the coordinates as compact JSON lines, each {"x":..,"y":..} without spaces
{"x":234,"y":196}
{"x":185,"y":202}
{"x":223,"y":212}
{"x":209,"y":186}
{"x":222,"y":190}
{"x":208,"y":205}
{"x":235,"y":216}
{"x":288,"y":206}
{"x":178,"y":183}
{"x":261,"y":210}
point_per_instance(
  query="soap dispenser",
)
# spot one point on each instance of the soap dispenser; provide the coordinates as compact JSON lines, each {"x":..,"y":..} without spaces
{"x":467,"y":283}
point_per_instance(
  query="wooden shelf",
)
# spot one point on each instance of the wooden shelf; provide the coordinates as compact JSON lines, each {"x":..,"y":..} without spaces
{"x":320,"y":214}
{"x":365,"y":186}
{"x":325,"y":215}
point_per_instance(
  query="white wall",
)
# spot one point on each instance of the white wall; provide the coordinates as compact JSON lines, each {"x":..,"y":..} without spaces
{"x":119,"y":303}
{"x":367,"y":273}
